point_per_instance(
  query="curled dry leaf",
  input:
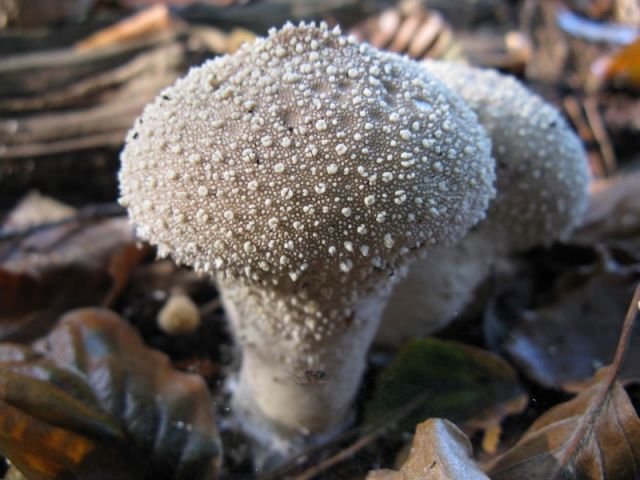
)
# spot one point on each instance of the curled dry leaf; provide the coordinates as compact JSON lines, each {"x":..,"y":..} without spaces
{"x":465,"y":384}
{"x":81,"y":262}
{"x":91,"y":398}
{"x":596,"y":435}
{"x":440,"y":451}
{"x":562,"y":344}
{"x":49,"y":418}
{"x":83,"y":241}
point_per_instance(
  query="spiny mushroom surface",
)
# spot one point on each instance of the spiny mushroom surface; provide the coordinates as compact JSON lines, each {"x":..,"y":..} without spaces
{"x":541,"y":183}
{"x":542,"y":176}
{"x":303,"y":171}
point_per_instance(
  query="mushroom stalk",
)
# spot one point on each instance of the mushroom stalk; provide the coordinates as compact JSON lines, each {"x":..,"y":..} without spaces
{"x":310,"y":381}
{"x":437,"y":288}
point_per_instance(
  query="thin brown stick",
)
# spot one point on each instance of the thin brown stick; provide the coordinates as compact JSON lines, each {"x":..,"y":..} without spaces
{"x":67,"y":59}
{"x":163,"y":58}
{"x":366,"y":434}
{"x":99,"y":140}
{"x":339,"y":457}
{"x":156,"y":18}
{"x":574,"y":111}
{"x":601,"y":136}
{"x":104,"y":125}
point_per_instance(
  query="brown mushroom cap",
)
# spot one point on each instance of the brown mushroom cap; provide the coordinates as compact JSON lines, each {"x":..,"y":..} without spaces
{"x":541,"y":167}
{"x":305,"y":159}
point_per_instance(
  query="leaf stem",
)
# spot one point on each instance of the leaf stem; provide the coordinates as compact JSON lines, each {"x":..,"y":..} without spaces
{"x":625,"y":335}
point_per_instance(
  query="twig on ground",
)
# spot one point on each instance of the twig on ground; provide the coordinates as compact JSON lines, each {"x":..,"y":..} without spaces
{"x":152,"y":19}
{"x":600,"y":134}
{"x":365,"y":435}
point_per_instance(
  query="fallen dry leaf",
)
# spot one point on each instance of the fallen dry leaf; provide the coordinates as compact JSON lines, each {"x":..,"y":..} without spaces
{"x":121,"y":267}
{"x":48,"y":416}
{"x":594,"y":436}
{"x":36,"y":209}
{"x":613,"y":213}
{"x":622,"y":66}
{"x":83,"y":242}
{"x":563,"y":343}
{"x":440,"y":451}
{"x":29,"y":306}
{"x":465,"y":384}
{"x":51,"y":269}
{"x":92,"y":401}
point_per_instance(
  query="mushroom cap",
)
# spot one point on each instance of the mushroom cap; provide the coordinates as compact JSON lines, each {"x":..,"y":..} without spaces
{"x":541,"y":167}
{"x":305,"y":159}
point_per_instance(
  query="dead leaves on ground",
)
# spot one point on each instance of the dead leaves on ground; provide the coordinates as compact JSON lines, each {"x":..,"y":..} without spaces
{"x":559,"y":334}
{"x":595,"y":436}
{"x":90,"y":400}
{"x":411,"y":30}
{"x":563,"y":343}
{"x":49,"y":268}
{"x":614,"y":213}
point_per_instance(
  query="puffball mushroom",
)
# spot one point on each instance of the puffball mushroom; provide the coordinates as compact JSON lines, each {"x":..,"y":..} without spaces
{"x":304,"y":171}
{"x":541,"y":183}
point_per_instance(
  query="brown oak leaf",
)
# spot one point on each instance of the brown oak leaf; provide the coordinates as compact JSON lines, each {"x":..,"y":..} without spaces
{"x":440,"y":451}
{"x":92,"y":401}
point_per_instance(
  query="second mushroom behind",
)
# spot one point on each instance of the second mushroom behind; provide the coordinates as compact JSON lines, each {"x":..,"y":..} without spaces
{"x":304,"y":172}
{"x":541,"y":181}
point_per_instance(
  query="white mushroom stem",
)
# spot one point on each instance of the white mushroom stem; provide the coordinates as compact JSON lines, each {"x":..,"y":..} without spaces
{"x":291,"y":383}
{"x":438,"y":288}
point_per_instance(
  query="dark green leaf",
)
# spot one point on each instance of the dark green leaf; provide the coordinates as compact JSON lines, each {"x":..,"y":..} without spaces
{"x":464,"y":384}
